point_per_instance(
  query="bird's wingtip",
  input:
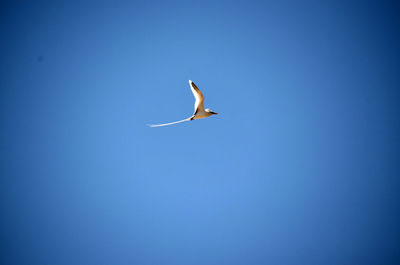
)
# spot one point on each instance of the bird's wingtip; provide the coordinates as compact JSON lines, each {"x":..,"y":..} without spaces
{"x":190,"y":81}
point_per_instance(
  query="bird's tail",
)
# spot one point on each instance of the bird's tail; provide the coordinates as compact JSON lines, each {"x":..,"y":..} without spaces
{"x":165,"y":124}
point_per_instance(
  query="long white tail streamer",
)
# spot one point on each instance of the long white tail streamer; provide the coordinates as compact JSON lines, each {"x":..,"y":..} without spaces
{"x":165,"y":124}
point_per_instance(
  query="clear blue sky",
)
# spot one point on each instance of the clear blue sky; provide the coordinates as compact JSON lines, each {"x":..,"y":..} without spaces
{"x":300,"y":167}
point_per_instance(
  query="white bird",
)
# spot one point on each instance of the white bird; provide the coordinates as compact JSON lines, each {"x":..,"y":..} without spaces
{"x":199,"y":111}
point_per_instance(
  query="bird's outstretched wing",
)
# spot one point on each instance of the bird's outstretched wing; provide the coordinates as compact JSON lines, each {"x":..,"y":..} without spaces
{"x":165,"y":124}
{"x":199,"y":104}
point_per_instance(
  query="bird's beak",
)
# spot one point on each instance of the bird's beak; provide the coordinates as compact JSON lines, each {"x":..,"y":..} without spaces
{"x":214,"y":112}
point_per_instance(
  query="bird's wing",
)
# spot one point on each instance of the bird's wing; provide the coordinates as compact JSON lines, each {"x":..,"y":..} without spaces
{"x":199,"y":104}
{"x":165,"y":124}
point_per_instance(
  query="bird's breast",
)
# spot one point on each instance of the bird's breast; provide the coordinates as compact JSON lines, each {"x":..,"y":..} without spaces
{"x":200,"y":115}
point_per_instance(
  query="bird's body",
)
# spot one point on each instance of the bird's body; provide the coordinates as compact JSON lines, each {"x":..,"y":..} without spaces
{"x":199,"y":111}
{"x":201,"y":115}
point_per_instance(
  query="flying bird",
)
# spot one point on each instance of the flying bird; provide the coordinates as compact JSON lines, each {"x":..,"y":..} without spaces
{"x":199,"y":111}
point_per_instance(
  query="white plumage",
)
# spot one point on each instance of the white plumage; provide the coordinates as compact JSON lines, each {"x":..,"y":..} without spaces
{"x":199,"y":111}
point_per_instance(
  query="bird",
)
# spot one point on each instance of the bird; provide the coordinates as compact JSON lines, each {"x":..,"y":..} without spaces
{"x":199,"y":111}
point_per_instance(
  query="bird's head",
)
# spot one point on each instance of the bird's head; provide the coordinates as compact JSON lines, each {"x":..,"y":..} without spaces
{"x":210,"y":111}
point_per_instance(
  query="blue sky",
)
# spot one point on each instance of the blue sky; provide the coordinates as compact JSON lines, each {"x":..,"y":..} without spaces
{"x":300,"y":167}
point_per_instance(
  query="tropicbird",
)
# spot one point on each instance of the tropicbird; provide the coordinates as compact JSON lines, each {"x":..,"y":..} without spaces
{"x":199,"y":111}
